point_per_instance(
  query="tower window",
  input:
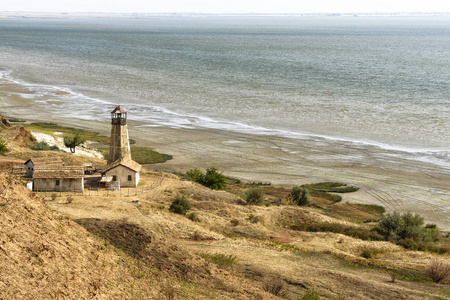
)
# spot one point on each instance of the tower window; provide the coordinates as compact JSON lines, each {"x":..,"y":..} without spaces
{"x":130,"y":178}
{"x":114,"y":178}
{"x":57,"y":182}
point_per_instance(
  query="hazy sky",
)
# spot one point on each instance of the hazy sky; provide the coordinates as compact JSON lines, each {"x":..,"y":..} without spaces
{"x":231,"y":6}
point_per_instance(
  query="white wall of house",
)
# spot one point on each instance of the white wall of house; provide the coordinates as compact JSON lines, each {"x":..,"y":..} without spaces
{"x":57,"y":185}
{"x":127,"y":177}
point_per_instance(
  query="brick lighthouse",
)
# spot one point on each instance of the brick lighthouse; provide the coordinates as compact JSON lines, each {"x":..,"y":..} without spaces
{"x":119,"y":146}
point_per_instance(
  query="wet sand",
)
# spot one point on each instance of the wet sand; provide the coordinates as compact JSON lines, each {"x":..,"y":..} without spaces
{"x":391,"y":181}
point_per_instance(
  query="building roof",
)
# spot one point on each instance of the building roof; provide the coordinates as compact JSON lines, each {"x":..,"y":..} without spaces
{"x":126,"y":162}
{"x":57,"y":172}
{"x":46,"y":161}
{"x":119,"y":110}
{"x":106,"y":179}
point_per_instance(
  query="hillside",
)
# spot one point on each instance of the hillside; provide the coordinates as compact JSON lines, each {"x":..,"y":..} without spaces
{"x":45,"y":255}
{"x":260,"y":238}
{"x":128,"y":244}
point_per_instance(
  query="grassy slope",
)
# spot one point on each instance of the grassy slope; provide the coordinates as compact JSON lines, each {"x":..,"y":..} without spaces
{"x":41,"y":245}
{"x":264,"y":246}
{"x":45,"y":255}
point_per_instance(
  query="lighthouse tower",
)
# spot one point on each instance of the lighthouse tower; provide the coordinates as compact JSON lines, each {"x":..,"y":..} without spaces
{"x":119,"y":146}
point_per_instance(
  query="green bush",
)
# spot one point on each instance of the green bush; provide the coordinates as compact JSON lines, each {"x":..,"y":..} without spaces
{"x":433,"y":232}
{"x":212,"y":179}
{"x":254,"y":196}
{"x":193,"y":217}
{"x":408,"y":231}
{"x":180,"y":205}
{"x":195,"y":175}
{"x":311,"y":295}
{"x":43,"y":146}
{"x":3,"y":146}
{"x":300,"y":196}
{"x":398,"y":226}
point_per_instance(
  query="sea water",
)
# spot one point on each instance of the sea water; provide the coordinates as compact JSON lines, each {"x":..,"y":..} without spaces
{"x":381,"y":81}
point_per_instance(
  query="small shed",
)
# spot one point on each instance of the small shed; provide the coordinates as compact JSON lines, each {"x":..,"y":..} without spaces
{"x":124,"y":170}
{"x":32,"y":163}
{"x":58,"y":178}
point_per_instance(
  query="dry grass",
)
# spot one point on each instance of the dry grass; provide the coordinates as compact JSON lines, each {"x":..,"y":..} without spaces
{"x":147,"y":244}
{"x":109,"y":259}
{"x":276,"y":286}
{"x":439,"y":271}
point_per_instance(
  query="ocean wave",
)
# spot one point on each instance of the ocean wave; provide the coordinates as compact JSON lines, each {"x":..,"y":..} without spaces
{"x":65,"y":102}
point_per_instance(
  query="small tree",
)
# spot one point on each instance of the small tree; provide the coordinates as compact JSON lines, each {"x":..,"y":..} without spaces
{"x":3,"y":146}
{"x":300,"y":196}
{"x":73,"y":142}
{"x":254,"y":196}
{"x":214,"y":179}
{"x":195,"y":175}
{"x":180,"y":205}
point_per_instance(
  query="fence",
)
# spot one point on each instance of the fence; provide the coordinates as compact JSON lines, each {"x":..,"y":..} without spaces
{"x":123,"y":192}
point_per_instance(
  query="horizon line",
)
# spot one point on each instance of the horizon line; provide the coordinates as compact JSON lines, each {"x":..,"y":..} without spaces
{"x":74,"y":13}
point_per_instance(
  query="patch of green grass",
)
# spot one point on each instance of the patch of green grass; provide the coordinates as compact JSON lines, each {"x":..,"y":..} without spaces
{"x":15,"y":120}
{"x":220,"y":259}
{"x":51,"y":128}
{"x":142,"y":155}
{"x":260,"y":183}
{"x":331,"y":197}
{"x":331,"y":187}
{"x":352,"y":231}
{"x":403,"y":274}
{"x":356,"y":213}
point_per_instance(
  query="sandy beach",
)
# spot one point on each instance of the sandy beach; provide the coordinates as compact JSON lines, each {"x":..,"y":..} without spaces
{"x":392,"y":181}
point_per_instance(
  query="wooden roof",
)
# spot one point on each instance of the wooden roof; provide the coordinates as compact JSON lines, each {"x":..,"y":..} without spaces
{"x":119,"y":110}
{"x":6,"y":161}
{"x":46,"y":161}
{"x":56,"y":172}
{"x":126,"y":162}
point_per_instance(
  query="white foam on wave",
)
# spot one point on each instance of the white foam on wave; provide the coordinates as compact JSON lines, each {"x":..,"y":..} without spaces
{"x":79,"y":106}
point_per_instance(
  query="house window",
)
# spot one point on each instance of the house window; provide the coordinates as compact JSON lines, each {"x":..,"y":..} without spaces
{"x":57,"y":182}
{"x":114,"y":178}
{"x":130,"y":178}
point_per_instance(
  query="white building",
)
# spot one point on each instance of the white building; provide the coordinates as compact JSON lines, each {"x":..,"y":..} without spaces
{"x":125,"y":171}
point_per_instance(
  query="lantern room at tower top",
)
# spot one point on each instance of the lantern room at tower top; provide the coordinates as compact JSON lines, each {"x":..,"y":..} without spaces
{"x":119,"y":116}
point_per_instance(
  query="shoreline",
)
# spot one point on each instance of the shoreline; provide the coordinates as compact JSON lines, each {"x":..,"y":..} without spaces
{"x":388,"y":180}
